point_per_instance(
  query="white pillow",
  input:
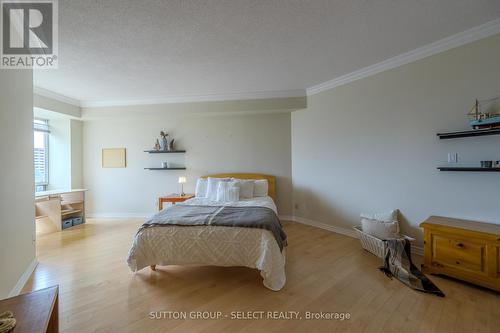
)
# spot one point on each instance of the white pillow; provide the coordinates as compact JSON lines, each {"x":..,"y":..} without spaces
{"x":227,"y":192}
{"x":382,"y":230}
{"x":246,"y":188}
{"x":382,"y":217}
{"x":260,"y":188}
{"x":212,"y":185}
{"x":201,"y":188}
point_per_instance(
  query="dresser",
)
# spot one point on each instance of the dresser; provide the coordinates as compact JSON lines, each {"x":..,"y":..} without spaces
{"x":466,"y":250}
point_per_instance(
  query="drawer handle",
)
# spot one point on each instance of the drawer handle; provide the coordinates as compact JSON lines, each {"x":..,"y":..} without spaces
{"x":461,"y":245}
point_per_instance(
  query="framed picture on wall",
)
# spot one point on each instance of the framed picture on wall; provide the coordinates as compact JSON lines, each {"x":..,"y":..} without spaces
{"x":114,"y":158}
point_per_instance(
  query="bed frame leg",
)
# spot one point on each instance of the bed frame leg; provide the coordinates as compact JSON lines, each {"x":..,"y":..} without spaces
{"x":153,"y":267}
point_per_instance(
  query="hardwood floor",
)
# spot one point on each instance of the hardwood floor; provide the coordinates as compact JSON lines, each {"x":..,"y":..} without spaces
{"x":325,"y":271}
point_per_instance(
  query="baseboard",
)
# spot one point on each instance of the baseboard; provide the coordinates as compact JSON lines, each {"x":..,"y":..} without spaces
{"x":118,"y":215}
{"x":339,"y":230}
{"x":329,"y":227}
{"x":24,"y":278}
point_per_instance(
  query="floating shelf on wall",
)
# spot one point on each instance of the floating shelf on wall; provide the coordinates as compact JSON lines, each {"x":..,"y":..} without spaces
{"x":464,"y":134}
{"x":165,"y":168}
{"x":165,"y":151}
{"x":469,"y":169}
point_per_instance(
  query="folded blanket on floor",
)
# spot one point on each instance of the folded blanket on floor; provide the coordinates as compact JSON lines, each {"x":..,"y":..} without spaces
{"x":398,"y":263}
{"x":225,"y":216}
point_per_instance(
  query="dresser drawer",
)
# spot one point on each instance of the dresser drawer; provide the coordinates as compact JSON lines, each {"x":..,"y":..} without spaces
{"x":459,"y":253}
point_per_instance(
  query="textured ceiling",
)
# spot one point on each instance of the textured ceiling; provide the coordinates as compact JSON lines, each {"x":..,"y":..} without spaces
{"x":131,"y":49}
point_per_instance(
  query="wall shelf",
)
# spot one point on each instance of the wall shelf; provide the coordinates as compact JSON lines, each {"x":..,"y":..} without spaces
{"x":70,"y":211}
{"x":469,"y":169}
{"x":165,"y":151}
{"x":183,"y":168}
{"x":464,"y":134}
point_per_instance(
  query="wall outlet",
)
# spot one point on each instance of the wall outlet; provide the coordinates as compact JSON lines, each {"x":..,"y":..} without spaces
{"x":452,"y":157}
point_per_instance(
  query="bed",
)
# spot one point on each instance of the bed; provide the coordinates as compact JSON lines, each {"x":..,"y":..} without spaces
{"x":215,"y":245}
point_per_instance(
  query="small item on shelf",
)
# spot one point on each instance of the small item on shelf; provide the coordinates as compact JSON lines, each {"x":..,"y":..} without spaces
{"x":167,"y":143}
{"x":164,"y":165}
{"x":487,"y":119}
{"x":164,"y":141}
{"x":157,"y":145}
{"x":497,"y":164}
{"x":487,"y":164}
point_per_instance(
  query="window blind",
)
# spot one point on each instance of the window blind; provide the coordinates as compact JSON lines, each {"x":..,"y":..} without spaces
{"x":41,"y":126}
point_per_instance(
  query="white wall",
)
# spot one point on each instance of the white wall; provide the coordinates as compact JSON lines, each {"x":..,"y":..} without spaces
{"x":76,"y":128}
{"x":371,"y":145}
{"x":17,"y":207}
{"x":246,"y":142}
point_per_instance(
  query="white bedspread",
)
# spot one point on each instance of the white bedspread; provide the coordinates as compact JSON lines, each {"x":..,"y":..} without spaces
{"x":212,"y":245}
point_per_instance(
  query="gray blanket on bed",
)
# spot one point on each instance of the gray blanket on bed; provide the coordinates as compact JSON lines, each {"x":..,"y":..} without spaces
{"x":224,"y":216}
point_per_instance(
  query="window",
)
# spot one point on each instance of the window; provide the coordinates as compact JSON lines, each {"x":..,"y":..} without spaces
{"x":41,"y":153}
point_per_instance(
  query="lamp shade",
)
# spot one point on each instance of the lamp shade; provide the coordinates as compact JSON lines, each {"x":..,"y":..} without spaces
{"x":182,"y":180}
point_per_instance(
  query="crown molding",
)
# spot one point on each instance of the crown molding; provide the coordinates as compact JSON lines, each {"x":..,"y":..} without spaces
{"x":58,"y":97}
{"x":468,"y":36}
{"x":197,"y":98}
{"x":482,"y":31}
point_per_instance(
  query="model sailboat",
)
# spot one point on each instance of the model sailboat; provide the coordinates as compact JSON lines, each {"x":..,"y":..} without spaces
{"x":480,"y":119}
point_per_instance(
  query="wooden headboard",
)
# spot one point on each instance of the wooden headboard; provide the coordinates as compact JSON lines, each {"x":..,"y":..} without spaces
{"x":271,"y":180}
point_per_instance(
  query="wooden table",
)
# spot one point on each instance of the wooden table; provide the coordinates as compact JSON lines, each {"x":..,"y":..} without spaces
{"x":35,"y":312}
{"x":173,"y":198}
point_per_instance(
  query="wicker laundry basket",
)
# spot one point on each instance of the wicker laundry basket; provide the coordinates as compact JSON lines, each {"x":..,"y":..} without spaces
{"x":373,"y":244}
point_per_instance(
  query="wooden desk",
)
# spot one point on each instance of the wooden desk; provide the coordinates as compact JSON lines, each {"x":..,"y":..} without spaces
{"x":58,"y":205}
{"x":173,"y":198}
{"x":35,"y":312}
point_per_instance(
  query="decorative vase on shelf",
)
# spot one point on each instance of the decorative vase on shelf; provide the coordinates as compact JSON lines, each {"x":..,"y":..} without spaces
{"x":171,"y":144}
{"x":163,"y":141}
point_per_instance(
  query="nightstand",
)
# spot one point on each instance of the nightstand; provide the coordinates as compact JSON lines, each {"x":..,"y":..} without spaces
{"x":173,"y":198}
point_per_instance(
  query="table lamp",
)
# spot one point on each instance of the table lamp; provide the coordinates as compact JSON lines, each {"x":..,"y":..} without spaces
{"x":182,"y":181}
